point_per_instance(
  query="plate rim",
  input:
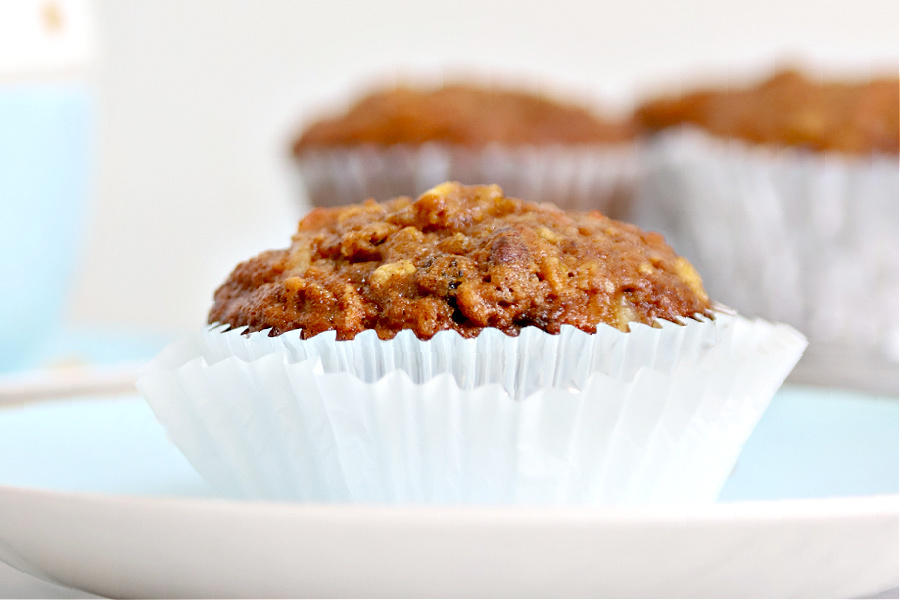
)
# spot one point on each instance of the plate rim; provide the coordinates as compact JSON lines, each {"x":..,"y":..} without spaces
{"x":713,"y":522}
{"x":881,"y":505}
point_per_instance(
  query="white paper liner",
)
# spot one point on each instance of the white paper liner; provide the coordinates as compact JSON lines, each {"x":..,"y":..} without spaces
{"x":810,"y":239}
{"x":585,"y":177}
{"x":657,"y":414}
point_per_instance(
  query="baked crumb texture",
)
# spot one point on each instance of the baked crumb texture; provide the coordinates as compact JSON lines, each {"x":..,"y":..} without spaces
{"x":789,"y":109}
{"x":460,"y":258}
{"x":462,"y":115}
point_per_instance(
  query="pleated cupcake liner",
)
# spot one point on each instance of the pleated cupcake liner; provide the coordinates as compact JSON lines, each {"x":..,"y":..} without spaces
{"x":583,"y":177}
{"x":658,"y":414}
{"x":810,"y":239}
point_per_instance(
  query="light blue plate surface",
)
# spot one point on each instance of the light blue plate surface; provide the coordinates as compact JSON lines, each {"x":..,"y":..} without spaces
{"x":816,"y":443}
{"x":811,"y":443}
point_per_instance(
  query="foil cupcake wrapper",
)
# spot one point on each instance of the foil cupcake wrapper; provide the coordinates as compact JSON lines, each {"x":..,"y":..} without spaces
{"x":810,"y":239}
{"x":654,"y":415}
{"x":574,"y":178}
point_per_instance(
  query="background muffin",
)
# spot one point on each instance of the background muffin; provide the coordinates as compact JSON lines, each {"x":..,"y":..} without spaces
{"x":784,"y":194}
{"x":788,"y":109}
{"x":467,"y":347}
{"x":402,"y":141}
{"x":463,"y":115}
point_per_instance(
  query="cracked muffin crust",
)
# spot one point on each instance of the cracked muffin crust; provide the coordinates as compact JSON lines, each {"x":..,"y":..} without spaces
{"x":459,"y":258}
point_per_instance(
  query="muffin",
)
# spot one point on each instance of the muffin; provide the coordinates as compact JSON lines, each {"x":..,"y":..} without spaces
{"x":784,"y":194}
{"x":402,"y":141}
{"x":462,"y":259}
{"x":467,"y":347}
{"x":788,"y":109}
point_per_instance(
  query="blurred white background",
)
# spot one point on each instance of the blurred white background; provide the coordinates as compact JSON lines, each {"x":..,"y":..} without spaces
{"x":197,"y":103}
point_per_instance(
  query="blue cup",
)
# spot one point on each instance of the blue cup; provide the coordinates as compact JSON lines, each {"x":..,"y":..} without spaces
{"x":44,"y":163}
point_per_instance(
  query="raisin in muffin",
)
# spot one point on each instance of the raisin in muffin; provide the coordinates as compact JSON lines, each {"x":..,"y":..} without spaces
{"x":459,"y":258}
{"x":402,"y":141}
{"x":784,"y":194}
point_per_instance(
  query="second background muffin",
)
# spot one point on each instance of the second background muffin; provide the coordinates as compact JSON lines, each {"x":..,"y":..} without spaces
{"x":784,"y":194}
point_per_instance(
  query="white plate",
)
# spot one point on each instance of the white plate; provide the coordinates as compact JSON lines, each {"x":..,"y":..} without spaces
{"x":151,"y":547}
{"x":70,"y":513}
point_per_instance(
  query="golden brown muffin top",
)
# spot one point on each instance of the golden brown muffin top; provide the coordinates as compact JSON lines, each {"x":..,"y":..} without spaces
{"x":459,"y":258}
{"x":464,"y":115}
{"x":789,"y":109}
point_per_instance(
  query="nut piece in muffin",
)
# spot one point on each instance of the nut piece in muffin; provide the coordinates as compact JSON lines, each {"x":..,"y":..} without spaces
{"x":459,"y":258}
{"x":791,"y":110}
{"x":462,"y":115}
